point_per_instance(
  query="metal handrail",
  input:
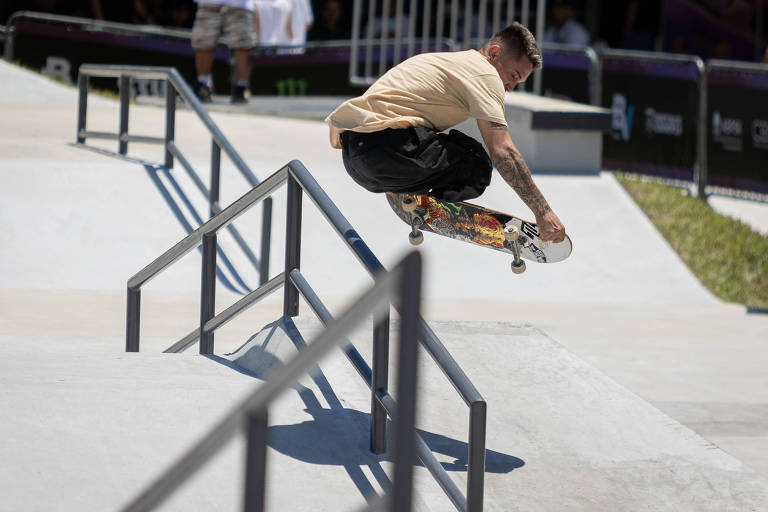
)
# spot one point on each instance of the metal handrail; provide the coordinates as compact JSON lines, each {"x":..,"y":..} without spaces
{"x":138,"y":30}
{"x":177,"y":84}
{"x":299,"y":180}
{"x":401,"y":286}
{"x":145,"y":30}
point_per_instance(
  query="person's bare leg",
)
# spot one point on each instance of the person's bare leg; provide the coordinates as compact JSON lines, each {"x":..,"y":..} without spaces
{"x":204,"y":62}
{"x":243,"y":65}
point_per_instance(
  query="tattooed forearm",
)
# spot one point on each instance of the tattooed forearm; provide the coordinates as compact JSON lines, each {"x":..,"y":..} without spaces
{"x":514,"y":171}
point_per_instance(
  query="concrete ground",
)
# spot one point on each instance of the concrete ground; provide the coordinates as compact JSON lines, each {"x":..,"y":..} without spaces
{"x":80,"y":223}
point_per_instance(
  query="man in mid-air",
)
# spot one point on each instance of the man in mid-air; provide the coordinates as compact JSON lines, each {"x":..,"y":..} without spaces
{"x":391,"y":136}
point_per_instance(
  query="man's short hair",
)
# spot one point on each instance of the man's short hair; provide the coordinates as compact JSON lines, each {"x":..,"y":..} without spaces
{"x":518,"y":41}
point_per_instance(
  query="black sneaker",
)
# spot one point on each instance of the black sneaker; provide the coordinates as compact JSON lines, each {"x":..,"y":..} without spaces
{"x":204,"y":92}
{"x":238,"y":94}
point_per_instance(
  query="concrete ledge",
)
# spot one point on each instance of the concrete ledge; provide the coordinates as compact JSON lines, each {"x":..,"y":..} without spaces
{"x":554,"y":136}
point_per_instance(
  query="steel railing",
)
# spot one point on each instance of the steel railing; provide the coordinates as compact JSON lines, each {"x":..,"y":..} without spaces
{"x":300,"y":181}
{"x":402,"y":287}
{"x":175,"y":84}
{"x":476,"y":28}
{"x":111,"y":26}
{"x":180,"y":34}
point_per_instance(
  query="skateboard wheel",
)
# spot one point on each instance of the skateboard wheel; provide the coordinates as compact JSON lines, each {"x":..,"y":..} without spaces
{"x":518,"y":269}
{"x":409,"y":203}
{"x":511,"y":233}
{"x":416,"y":238}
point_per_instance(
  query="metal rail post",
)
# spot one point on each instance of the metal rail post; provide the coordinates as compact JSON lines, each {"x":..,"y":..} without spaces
{"x":266,"y":241}
{"x":256,"y":461}
{"x":379,"y":381}
{"x":292,"y":245}
{"x":170,"y":122}
{"x":82,"y":106}
{"x":208,"y":292}
{"x":541,"y":12}
{"x":213,"y":197}
{"x":125,"y":99}
{"x":132,"y":320}
{"x":476,"y":457}
{"x":701,"y":168}
{"x":407,"y":378}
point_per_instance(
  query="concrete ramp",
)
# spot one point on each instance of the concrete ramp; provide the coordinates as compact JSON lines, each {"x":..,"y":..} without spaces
{"x":586,"y":443}
{"x":91,"y":428}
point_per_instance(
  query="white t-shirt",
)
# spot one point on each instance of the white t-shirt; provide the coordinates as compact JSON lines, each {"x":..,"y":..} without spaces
{"x":274,"y":21}
{"x":301,"y":17}
{"x":434,"y":90}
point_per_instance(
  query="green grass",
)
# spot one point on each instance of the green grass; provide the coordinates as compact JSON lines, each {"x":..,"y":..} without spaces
{"x":727,"y":256}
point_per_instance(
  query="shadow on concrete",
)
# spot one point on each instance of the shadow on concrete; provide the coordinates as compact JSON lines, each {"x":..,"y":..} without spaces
{"x":338,"y":436}
{"x":153,"y":172}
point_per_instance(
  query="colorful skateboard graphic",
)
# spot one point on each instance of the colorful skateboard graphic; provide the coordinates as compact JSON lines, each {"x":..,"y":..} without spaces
{"x":478,"y":225}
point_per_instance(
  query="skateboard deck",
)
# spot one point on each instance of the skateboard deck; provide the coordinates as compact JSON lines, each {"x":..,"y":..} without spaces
{"x":477,"y":225}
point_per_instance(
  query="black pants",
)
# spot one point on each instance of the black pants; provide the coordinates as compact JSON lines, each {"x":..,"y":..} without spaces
{"x":451,"y":166}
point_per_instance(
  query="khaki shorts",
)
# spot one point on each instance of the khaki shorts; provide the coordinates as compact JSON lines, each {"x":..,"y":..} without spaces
{"x":232,"y":24}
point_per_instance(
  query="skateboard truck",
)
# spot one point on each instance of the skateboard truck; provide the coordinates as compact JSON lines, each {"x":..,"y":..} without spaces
{"x":410,"y":205}
{"x":416,"y":236}
{"x":512,"y":234}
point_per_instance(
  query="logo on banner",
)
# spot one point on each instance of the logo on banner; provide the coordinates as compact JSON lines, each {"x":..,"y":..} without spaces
{"x":760,"y":134}
{"x":622,"y":116}
{"x":662,"y":123}
{"x":727,"y":131}
{"x":59,"y":68}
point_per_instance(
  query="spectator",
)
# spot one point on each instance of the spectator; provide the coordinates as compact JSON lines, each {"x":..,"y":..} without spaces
{"x":564,"y":29}
{"x":111,"y":10}
{"x":330,"y":22}
{"x":301,"y":22}
{"x":178,"y":13}
{"x":233,"y":20}
{"x":641,"y":21}
{"x":273,"y":22}
{"x":146,"y":12}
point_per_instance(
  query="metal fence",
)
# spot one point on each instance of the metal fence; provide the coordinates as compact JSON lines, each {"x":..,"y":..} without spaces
{"x":655,"y":100}
{"x":383,"y":34}
{"x":300,"y":181}
{"x":570,"y":72}
{"x":735,"y":126}
{"x":401,"y":287}
{"x":175,"y":84}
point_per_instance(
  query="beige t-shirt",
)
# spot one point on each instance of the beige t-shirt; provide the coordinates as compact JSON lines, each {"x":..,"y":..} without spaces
{"x":434,"y":90}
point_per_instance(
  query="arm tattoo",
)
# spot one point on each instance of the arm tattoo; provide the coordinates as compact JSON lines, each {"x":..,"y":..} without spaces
{"x":514,"y":171}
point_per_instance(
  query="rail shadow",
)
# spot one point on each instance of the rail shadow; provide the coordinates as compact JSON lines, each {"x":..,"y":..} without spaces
{"x":338,"y":436}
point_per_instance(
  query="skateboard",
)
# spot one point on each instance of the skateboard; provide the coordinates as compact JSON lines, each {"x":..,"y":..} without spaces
{"x":478,"y":225}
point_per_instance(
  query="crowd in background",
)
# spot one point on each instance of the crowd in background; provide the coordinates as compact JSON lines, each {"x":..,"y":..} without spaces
{"x":630,"y":24}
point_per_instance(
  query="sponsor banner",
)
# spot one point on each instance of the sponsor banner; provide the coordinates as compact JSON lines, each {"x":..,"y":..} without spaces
{"x":58,"y":49}
{"x":566,"y":76}
{"x":654,"y":117}
{"x":737,"y":131}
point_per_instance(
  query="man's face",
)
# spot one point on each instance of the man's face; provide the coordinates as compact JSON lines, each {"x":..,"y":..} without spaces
{"x":511,"y":70}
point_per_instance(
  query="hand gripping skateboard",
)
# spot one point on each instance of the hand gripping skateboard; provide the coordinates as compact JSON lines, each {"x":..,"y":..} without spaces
{"x":478,"y":225}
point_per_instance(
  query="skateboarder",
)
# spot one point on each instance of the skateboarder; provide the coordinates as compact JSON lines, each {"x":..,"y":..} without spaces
{"x":390,"y":136}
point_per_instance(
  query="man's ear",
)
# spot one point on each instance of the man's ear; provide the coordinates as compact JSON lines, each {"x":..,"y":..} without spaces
{"x":494,"y":51}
